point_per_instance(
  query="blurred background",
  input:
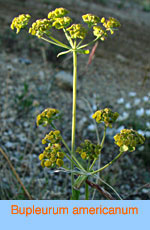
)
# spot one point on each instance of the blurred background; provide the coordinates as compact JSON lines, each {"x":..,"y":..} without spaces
{"x":32,"y":78}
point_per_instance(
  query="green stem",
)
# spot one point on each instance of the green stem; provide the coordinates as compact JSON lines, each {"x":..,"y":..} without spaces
{"x":90,"y":43}
{"x":92,"y":164}
{"x":56,"y":44}
{"x":105,"y":166}
{"x":68,"y":38}
{"x":99,"y":159}
{"x":74,"y":109}
{"x":104,"y":136}
{"x":69,"y":158}
{"x":74,"y":158}
{"x":86,"y":191}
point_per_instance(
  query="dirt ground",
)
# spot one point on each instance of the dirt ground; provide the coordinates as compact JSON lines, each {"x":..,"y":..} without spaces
{"x":121,"y":65}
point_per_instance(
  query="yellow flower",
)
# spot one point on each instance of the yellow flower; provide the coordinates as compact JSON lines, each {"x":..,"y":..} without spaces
{"x":20,"y":22}
{"x":105,"y":115}
{"x":40,"y":27}
{"x":77,"y":31}
{"x":91,"y":19}
{"x":47,"y":163}
{"x":128,"y":139}
{"x":111,"y":24}
{"x":60,"y":155}
{"x":57,"y":13}
{"x":83,"y":155}
{"x":41,"y":156}
{"x":60,"y":23}
{"x":99,"y":32}
{"x":47,"y":116}
{"x":88,"y":150}
{"x":59,"y":162}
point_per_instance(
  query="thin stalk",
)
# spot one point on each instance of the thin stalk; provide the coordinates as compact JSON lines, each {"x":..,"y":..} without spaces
{"x":95,"y":124}
{"x":58,"y":42}
{"x":69,"y":158}
{"x":74,"y":108}
{"x":90,"y":43}
{"x":100,"y":179}
{"x":93,"y":163}
{"x":105,"y":166}
{"x":54,"y":43}
{"x":86,"y":185}
{"x":104,"y":136}
{"x":72,"y":156}
{"x":99,"y":159}
{"x":86,"y":191}
{"x":16,"y":174}
{"x":68,"y":38}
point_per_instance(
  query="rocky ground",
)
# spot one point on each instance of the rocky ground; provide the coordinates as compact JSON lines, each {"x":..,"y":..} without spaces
{"x":32,"y":79}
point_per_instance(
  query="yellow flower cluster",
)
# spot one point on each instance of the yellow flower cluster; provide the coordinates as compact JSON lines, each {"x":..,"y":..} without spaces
{"x":60,"y":23}
{"x":105,"y":115}
{"x":47,"y":116}
{"x":88,"y":150}
{"x":99,"y":32}
{"x":91,"y":19}
{"x":40,"y":27}
{"x":111,"y":24}
{"x":20,"y":22}
{"x":57,"y":18}
{"x":128,"y":139}
{"x":77,"y":31}
{"x":52,"y":156}
{"x":52,"y":137}
{"x":57,"y":13}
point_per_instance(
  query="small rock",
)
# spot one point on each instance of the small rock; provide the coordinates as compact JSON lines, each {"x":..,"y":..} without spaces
{"x":144,"y":190}
{"x":91,"y":127}
{"x":121,"y":58}
{"x":140,"y":112}
{"x":120,"y":101}
{"x":82,"y":123}
{"x":145,"y":98}
{"x":82,"y":105}
{"x":24,"y":61}
{"x":22,"y":137}
{"x":132,"y":94}
{"x":41,"y":75}
{"x":26,"y":124}
{"x":147,"y":112}
{"x":64,"y":80}
{"x":10,"y":145}
{"x":147,"y":133}
{"x":82,"y":190}
{"x":141,"y":132}
{"x":137,"y":101}
{"x":148,"y":124}
{"x":141,"y":148}
{"x":128,"y":105}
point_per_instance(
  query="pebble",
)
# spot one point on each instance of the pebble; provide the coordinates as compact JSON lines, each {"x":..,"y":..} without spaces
{"x":128,"y":105}
{"x":10,"y":145}
{"x":121,"y":58}
{"x":120,"y":101}
{"x":145,"y":99}
{"x":137,"y":101}
{"x":24,"y":61}
{"x":140,"y":112}
{"x":147,"y":112}
{"x":145,"y":190}
{"x":91,"y":127}
{"x":82,"y":123}
{"x":132,"y":94}
{"x":64,"y":80}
